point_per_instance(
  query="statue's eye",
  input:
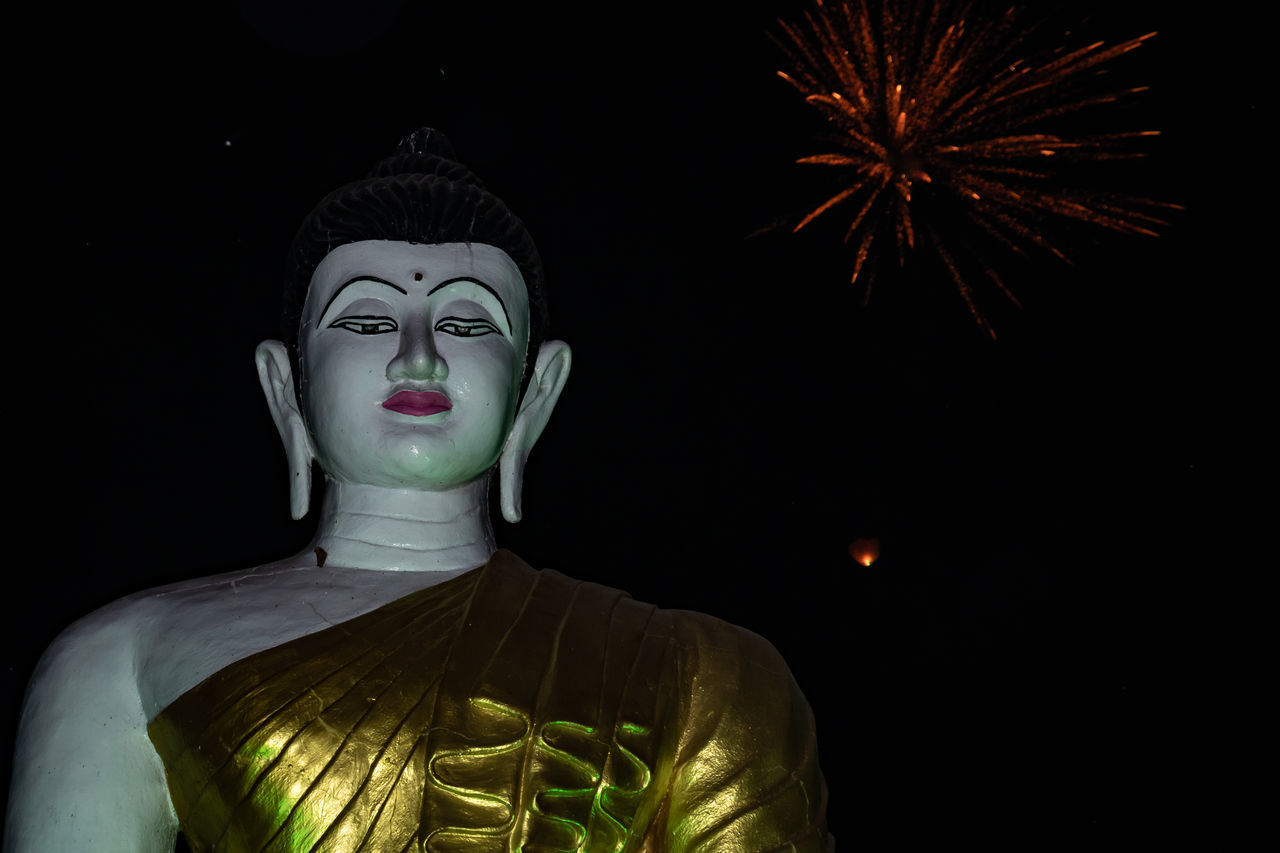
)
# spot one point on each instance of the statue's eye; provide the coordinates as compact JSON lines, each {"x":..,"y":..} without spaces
{"x":465,"y":328}
{"x":365,"y":325}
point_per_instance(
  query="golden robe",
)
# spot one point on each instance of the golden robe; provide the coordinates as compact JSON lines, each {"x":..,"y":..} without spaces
{"x":506,"y":709}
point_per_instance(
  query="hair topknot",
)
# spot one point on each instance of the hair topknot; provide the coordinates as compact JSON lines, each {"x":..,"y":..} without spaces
{"x":420,"y":194}
{"x":426,"y":151}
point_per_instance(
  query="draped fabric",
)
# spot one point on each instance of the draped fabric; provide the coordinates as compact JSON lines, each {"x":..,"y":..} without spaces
{"x":506,"y":709}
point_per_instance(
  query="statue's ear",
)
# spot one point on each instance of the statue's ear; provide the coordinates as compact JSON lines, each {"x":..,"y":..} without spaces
{"x":550,"y":372}
{"x":275,"y":372}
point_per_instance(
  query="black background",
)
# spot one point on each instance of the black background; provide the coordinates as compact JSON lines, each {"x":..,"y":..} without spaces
{"x":1044,"y":655}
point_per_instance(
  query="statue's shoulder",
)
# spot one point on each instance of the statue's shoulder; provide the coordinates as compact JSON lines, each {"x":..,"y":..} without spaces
{"x":715,"y":643}
{"x":107,"y":634}
{"x":697,"y":636}
{"x":129,"y":620}
{"x":117,"y":628}
{"x":143,"y":641}
{"x":106,"y":640}
{"x":83,"y":724}
{"x":84,"y":691}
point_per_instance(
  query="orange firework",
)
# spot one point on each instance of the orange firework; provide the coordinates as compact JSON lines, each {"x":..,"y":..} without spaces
{"x":939,"y":120}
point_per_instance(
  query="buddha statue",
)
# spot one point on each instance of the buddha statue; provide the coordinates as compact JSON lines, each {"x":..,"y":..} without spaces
{"x":403,"y":684}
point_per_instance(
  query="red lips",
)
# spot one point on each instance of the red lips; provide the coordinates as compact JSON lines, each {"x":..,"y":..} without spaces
{"x":418,"y":403}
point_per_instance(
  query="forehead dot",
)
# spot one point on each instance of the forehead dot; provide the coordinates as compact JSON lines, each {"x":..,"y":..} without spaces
{"x":417,"y":276}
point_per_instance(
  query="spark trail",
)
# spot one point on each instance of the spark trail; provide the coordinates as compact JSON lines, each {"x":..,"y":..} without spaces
{"x":943,"y":128}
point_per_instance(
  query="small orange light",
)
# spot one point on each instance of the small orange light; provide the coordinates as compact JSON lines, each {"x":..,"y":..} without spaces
{"x":865,"y":551}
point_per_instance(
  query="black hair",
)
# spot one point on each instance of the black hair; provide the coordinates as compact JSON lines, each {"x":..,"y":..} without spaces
{"x":420,"y":194}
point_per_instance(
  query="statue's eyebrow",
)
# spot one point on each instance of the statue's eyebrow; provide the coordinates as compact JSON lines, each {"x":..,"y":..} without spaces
{"x":469,"y":280}
{"x":353,"y":280}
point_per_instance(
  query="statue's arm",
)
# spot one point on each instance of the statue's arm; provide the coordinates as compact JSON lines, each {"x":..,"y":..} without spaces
{"x":86,"y":776}
{"x":746,"y":777}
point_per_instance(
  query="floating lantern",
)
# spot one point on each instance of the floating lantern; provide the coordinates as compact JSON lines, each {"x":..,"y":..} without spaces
{"x":865,"y":551}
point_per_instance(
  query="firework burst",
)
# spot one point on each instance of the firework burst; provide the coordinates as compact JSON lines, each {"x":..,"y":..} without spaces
{"x":940,"y":120}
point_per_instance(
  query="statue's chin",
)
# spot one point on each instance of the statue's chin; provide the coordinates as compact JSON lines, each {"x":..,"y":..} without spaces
{"x":415,"y":467}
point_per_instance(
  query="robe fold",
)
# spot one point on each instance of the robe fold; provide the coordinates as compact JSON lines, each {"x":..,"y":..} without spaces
{"x":506,"y":709}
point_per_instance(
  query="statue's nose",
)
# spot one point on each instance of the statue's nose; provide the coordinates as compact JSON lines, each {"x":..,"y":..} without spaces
{"x":418,"y":358}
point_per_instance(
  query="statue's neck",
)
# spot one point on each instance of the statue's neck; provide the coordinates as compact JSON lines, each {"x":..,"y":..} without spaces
{"x":369,"y":527}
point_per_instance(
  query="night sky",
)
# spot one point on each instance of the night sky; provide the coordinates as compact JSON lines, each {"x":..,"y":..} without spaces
{"x":1041,"y":657}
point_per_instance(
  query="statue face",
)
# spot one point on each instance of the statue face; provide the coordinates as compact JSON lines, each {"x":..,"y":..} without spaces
{"x":411,"y":359}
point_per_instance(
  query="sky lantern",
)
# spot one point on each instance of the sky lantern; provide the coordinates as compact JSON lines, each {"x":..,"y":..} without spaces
{"x":865,"y":551}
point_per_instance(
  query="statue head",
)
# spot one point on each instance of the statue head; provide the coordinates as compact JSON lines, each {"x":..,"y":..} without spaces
{"x":415,"y":320}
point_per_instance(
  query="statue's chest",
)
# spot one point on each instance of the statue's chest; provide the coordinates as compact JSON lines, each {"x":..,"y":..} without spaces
{"x":427,"y":727}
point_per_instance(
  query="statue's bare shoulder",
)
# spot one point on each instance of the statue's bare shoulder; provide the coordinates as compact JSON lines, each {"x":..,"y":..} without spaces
{"x":84,"y":728}
{"x":180,"y":634}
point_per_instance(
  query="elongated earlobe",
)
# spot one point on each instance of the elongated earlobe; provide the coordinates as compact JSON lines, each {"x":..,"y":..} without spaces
{"x":275,"y":372}
{"x":550,"y":372}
